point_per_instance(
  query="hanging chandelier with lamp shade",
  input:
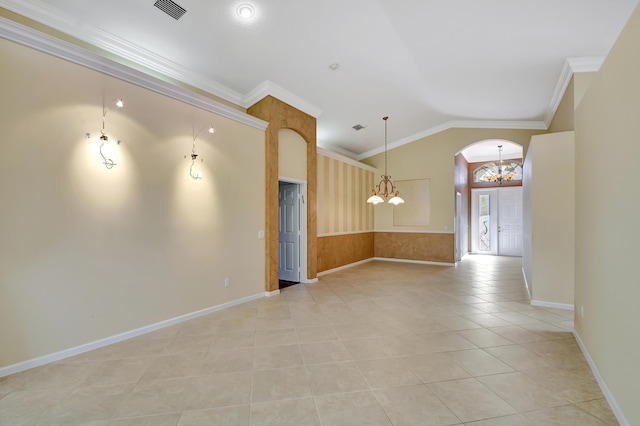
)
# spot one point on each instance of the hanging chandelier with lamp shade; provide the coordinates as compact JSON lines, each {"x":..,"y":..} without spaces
{"x":385,"y":188}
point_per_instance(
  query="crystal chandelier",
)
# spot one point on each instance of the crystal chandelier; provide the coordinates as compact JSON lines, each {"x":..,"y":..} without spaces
{"x":385,"y":188}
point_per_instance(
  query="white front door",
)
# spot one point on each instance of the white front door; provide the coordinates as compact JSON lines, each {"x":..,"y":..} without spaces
{"x":510,"y":221}
{"x":496,"y":221}
{"x":289,"y":232}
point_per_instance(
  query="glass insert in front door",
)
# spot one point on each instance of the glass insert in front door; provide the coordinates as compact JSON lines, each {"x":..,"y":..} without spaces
{"x":484,"y":224}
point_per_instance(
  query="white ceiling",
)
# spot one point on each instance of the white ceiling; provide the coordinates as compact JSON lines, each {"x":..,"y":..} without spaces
{"x":429,"y":65}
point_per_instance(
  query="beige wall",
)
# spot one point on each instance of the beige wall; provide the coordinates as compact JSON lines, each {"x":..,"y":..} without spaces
{"x":87,"y":253}
{"x":549,"y":211}
{"x":563,"y":118}
{"x":292,"y":155}
{"x":607,"y":232}
{"x":581,"y":82}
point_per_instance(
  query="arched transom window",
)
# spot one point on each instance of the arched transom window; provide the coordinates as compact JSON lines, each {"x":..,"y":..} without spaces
{"x":508,"y":170}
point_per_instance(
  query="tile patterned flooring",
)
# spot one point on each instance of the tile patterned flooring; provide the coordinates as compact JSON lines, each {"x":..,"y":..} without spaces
{"x":378,"y":344}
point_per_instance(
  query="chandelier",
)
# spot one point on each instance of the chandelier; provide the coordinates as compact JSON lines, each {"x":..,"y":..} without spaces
{"x":385,"y":188}
{"x":504,"y":174}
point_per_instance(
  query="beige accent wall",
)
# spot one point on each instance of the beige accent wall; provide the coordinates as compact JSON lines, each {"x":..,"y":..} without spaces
{"x":549,"y":210}
{"x":607,"y":231}
{"x":343,"y":190}
{"x":345,"y":220}
{"x":430,"y":247}
{"x":335,"y":251}
{"x":87,"y":253}
{"x":292,"y":155}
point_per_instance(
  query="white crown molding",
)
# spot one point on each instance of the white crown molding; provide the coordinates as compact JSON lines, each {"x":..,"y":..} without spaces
{"x":571,"y":66}
{"x":267,"y":88}
{"x":336,"y":150}
{"x":457,"y":124}
{"x":52,"y":17}
{"x":61,"y":49}
{"x":586,"y":63}
{"x":342,"y":158}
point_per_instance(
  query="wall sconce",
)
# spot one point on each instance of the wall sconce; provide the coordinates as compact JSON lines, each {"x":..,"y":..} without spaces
{"x":108,"y":148}
{"x":108,"y":151}
{"x":194,"y":171}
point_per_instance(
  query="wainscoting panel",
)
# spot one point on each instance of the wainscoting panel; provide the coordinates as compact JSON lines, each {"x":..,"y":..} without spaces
{"x":339,"y":250}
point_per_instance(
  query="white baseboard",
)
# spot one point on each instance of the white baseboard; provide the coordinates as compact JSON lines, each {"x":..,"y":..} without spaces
{"x":603,"y":385}
{"x":340,"y":268}
{"x":66,"y":353}
{"x":420,"y":262}
{"x":310,"y":281}
{"x":565,"y":306}
{"x":271,"y":293}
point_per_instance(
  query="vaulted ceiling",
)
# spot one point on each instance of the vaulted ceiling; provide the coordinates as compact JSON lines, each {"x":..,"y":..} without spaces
{"x":429,"y":65}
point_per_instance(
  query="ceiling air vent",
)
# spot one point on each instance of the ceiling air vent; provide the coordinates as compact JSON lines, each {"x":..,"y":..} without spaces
{"x":358,"y":127}
{"x":170,"y":8}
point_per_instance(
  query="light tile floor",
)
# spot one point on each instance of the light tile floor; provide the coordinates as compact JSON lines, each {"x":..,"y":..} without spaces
{"x":378,"y":344}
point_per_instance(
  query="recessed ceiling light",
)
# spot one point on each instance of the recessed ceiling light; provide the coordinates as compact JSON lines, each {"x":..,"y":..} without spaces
{"x":246,"y":11}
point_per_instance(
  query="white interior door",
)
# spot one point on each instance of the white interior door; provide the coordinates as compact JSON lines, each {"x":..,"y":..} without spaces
{"x":289,"y":232}
{"x":510,"y":221}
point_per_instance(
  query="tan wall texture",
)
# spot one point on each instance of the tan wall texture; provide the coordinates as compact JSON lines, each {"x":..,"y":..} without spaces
{"x":87,"y":253}
{"x":607,"y":232}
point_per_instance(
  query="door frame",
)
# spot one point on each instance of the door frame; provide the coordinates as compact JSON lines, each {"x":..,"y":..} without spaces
{"x":302,"y":190}
{"x":457,"y":229}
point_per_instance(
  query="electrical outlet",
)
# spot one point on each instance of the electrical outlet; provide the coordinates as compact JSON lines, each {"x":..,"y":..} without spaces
{"x":581,"y":311}
{"x":227,"y":282}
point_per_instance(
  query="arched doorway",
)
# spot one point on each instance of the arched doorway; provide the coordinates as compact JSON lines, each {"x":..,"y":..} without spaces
{"x":488,"y":210}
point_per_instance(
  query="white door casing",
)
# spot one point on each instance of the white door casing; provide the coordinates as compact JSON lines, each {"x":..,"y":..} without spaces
{"x":289,"y":232}
{"x":458,"y":227}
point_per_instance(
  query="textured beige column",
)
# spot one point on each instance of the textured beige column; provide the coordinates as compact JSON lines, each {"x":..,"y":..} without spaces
{"x":283,"y":116}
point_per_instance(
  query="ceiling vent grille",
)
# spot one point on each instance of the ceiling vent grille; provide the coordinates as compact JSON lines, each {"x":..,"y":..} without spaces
{"x":170,"y":8}
{"x":358,"y":127}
